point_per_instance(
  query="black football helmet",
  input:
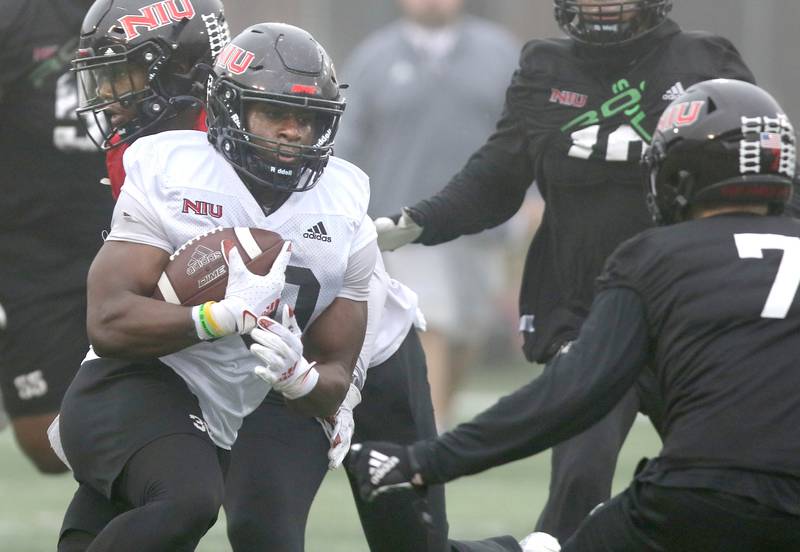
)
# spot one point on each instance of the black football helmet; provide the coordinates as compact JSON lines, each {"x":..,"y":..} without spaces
{"x":282,"y":66}
{"x":169,"y":44}
{"x":610,"y":23}
{"x":722,"y":142}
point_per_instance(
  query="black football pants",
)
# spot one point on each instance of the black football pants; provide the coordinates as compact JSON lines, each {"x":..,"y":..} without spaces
{"x":277,"y":466}
{"x":649,"y":518}
{"x":167,"y":497}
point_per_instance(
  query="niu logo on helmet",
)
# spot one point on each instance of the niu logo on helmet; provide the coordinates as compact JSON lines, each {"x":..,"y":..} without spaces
{"x":680,"y":115}
{"x":155,"y":16}
{"x":235,"y":59}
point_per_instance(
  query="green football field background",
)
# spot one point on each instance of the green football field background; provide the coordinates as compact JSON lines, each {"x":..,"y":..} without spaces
{"x":501,"y":501}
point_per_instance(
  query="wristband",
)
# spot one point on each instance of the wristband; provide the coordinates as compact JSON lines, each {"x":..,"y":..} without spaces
{"x":206,"y":323}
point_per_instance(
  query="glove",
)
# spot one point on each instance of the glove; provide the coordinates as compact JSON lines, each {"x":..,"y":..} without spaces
{"x":339,"y":428}
{"x":396,"y":231}
{"x":380,"y":467}
{"x":3,"y":319}
{"x":539,"y":542}
{"x":279,"y":348}
{"x":247,"y":296}
{"x":54,"y":436}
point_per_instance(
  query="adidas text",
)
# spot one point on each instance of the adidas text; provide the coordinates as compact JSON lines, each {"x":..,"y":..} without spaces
{"x":318,"y":232}
{"x":319,"y":237}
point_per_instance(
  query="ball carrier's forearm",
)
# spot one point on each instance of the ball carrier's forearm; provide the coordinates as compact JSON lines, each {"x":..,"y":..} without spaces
{"x":134,"y":327}
{"x":123,"y":321}
{"x":326,"y":396}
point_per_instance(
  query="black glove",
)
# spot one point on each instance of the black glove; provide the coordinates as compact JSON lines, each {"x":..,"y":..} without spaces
{"x":380,"y":467}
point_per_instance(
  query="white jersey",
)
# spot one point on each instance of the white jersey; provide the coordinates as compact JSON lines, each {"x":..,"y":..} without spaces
{"x":177,"y":186}
{"x":393,"y":308}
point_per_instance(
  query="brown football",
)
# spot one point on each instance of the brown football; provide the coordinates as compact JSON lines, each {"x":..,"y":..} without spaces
{"x":197,"y":271}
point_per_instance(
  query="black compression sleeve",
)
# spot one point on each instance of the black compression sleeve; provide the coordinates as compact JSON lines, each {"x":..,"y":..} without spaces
{"x":575,"y":390}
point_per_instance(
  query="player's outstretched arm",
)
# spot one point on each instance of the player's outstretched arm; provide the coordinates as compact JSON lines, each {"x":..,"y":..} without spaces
{"x":580,"y":386}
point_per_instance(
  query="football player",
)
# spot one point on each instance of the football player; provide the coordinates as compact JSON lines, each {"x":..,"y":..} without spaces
{"x":710,"y":303}
{"x":180,"y":388}
{"x":116,"y":94}
{"x":54,"y":217}
{"x":579,"y":112}
{"x":137,"y":79}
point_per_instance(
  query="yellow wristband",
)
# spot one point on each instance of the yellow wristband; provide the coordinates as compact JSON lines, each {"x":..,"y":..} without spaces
{"x":202,"y":314}
{"x":214,"y":325}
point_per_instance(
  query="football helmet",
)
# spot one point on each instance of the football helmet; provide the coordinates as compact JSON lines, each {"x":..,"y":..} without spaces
{"x":610,"y":23}
{"x":282,"y":67}
{"x":722,"y":142}
{"x":141,"y":62}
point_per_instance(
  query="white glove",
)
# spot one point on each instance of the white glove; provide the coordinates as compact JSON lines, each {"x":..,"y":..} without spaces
{"x":279,"y":347}
{"x":392,"y":235}
{"x":247,"y":296}
{"x":54,"y":436}
{"x":539,"y":542}
{"x":339,"y":428}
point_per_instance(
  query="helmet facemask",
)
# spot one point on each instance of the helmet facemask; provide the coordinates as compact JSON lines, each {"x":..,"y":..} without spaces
{"x":116,"y":88}
{"x":610,"y":23}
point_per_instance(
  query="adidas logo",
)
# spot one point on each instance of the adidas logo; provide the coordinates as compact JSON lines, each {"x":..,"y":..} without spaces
{"x":317,"y":232}
{"x":674,"y":92}
{"x":380,"y":465}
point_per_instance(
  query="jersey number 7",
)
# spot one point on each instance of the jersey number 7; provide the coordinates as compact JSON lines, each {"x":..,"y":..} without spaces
{"x":787,"y":280}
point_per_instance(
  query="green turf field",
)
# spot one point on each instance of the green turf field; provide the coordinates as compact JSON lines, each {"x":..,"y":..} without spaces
{"x":504,"y":500}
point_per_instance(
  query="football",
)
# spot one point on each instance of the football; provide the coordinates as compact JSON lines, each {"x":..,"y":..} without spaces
{"x":197,"y":271}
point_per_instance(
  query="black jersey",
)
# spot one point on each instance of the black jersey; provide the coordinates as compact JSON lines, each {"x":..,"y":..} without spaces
{"x":54,"y":206}
{"x":712,"y":307}
{"x":576,"y":121}
{"x":722,"y":304}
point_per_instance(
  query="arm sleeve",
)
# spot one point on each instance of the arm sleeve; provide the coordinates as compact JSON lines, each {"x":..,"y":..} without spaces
{"x":576,"y":389}
{"x":361,"y":263}
{"x":491,"y":187}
